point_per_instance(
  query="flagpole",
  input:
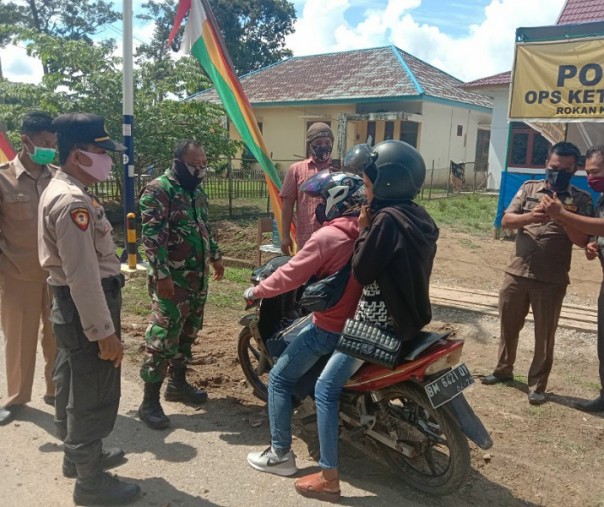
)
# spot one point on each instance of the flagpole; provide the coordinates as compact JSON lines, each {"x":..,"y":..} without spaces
{"x":128,"y":115}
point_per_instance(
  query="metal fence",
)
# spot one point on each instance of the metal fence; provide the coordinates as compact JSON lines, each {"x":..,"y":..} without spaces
{"x":450,"y":181}
{"x":250,"y":184}
{"x":234,"y":184}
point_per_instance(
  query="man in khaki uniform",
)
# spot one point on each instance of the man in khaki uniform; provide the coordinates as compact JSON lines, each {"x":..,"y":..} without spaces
{"x":76,"y":247}
{"x":537,"y":275}
{"x":24,"y":297}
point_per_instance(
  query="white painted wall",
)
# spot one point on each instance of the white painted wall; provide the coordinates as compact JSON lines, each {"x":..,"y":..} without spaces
{"x":499,"y":136}
{"x":439,"y":143}
{"x":284,"y":131}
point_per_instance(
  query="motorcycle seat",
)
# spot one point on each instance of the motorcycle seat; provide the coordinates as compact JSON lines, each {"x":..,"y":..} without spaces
{"x":413,"y":349}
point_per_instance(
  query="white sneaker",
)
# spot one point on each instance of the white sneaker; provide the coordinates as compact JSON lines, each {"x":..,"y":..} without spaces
{"x":269,"y":461}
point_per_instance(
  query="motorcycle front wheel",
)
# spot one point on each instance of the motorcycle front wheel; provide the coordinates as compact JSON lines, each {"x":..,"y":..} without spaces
{"x":254,"y":364}
{"x":441,"y":461}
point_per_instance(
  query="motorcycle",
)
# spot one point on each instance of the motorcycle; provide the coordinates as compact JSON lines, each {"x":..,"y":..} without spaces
{"x":415,"y":416}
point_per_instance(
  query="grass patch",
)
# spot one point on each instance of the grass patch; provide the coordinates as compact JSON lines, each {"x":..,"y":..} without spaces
{"x":472,"y":213}
{"x":469,"y":244}
{"x":135,"y":297}
{"x":586,"y":384}
{"x":225,"y":294}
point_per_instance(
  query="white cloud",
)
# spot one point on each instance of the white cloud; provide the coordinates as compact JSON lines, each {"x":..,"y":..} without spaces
{"x":17,"y":66}
{"x":485,"y":48}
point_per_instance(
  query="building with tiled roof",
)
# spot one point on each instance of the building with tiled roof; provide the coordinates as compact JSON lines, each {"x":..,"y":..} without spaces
{"x":366,"y":95}
{"x":581,"y":11}
{"x":524,"y":136}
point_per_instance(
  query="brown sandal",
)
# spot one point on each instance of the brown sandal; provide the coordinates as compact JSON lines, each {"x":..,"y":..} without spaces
{"x":315,"y":486}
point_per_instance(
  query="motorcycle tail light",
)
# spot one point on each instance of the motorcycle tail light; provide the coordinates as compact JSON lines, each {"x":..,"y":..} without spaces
{"x":442,"y":363}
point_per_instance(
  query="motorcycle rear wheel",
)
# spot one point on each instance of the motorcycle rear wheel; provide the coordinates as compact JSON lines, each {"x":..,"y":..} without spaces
{"x":255,"y":367}
{"x":443,"y":461}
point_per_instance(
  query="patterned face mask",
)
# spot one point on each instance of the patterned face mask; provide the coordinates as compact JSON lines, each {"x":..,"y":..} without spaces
{"x":321,"y":153}
{"x":198,"y":172}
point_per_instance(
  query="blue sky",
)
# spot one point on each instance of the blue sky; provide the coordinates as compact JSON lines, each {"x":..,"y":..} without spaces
{"x":466,"y":38}
{"x":452,"y":18}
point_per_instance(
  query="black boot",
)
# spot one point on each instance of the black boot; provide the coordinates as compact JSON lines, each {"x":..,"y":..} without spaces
{"x":150,"y":410}
{"x":180,"y":390}
{"x":110,"y":458}
{"x":104,"y":489}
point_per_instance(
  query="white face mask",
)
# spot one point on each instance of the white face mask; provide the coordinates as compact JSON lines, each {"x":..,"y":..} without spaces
{"x":101,"y":165}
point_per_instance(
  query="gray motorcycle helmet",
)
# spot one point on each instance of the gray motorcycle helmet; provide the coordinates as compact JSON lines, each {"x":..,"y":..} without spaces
{"x":358,"y":158}
{"x":396,"y":169}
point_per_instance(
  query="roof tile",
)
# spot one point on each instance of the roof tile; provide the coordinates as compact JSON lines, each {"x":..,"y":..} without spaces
{"x":350,"y":75}
{"x":581,"y":11}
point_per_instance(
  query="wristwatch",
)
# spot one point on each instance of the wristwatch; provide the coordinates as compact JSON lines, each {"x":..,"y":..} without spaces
{"x":216,"y":256}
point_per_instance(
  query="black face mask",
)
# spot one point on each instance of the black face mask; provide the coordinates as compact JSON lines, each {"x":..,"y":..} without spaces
{"x":321,"y":153}
{"x":558,"y":180}
{"x":184,"y":176}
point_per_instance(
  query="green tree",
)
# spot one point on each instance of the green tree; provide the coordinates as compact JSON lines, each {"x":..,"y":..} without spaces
{"x":67,"y":19}
{"x":254,"y":30}
{"x":87,"y":77}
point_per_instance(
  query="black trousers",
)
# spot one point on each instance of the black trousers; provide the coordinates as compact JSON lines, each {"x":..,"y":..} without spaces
{"x":88,"y":388}
{"x":601,"y":336}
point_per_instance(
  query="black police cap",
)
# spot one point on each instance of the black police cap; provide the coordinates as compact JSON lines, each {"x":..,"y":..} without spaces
{"x":86,"y":128}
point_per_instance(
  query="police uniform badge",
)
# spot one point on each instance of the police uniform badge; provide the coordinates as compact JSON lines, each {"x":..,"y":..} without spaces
{"x":80,"y":217}
{"x":569,"y":204}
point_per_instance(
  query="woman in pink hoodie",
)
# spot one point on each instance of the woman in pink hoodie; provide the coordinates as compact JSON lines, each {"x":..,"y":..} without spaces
{"x":328,"y":250}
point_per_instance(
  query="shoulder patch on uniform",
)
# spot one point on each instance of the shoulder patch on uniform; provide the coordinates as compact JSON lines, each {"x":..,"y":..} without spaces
{"x":80,"y":217}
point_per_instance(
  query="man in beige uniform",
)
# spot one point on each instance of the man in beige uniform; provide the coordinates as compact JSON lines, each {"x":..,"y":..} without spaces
{"x":23,"y":291}
{"x":537,"y":275}
{"x":76,"y":247}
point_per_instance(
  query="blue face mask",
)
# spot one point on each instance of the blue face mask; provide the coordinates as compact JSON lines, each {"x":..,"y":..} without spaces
{"x":558,"y":180}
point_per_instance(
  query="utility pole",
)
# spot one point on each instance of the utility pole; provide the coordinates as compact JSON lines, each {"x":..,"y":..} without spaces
{"x":128,"y":118}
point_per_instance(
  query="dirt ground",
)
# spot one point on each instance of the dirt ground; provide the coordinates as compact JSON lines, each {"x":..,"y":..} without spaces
{"x":548,"y":455}
{"x":542,"y":456}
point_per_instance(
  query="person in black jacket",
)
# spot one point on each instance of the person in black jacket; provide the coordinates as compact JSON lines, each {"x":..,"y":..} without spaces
{"x":393,"y":261}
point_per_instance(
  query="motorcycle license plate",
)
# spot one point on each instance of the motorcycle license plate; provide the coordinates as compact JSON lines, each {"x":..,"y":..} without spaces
{"x":449,"y":385}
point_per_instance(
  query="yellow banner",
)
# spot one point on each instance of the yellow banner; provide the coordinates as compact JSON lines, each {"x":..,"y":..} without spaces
{"x":558,"y":81}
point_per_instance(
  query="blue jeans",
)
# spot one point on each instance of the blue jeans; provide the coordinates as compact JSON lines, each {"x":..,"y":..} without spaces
{"x":299,"y":356}
{"x":327,"y":396}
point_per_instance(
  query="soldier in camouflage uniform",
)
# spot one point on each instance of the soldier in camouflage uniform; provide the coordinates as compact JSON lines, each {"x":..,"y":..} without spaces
{"x":179,"y":245}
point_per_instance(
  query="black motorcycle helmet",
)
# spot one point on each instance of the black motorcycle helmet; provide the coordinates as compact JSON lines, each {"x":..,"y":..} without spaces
{"x":395,"y":168}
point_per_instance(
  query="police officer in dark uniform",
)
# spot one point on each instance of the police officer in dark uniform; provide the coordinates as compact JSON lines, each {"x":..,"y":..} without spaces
{"x":76,"y":248}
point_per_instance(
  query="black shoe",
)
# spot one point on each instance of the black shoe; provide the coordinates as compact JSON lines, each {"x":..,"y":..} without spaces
{"x":110,"y":459}
{"x":104,"y":489}
{"x":490,"y":380}
{"x":7,"y":414}
{"x":536,"y":398}
{"x":179,"y":389}
{"x":596,"y":405}
{"x":150,"y":410}
{"x":49,"y":399}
